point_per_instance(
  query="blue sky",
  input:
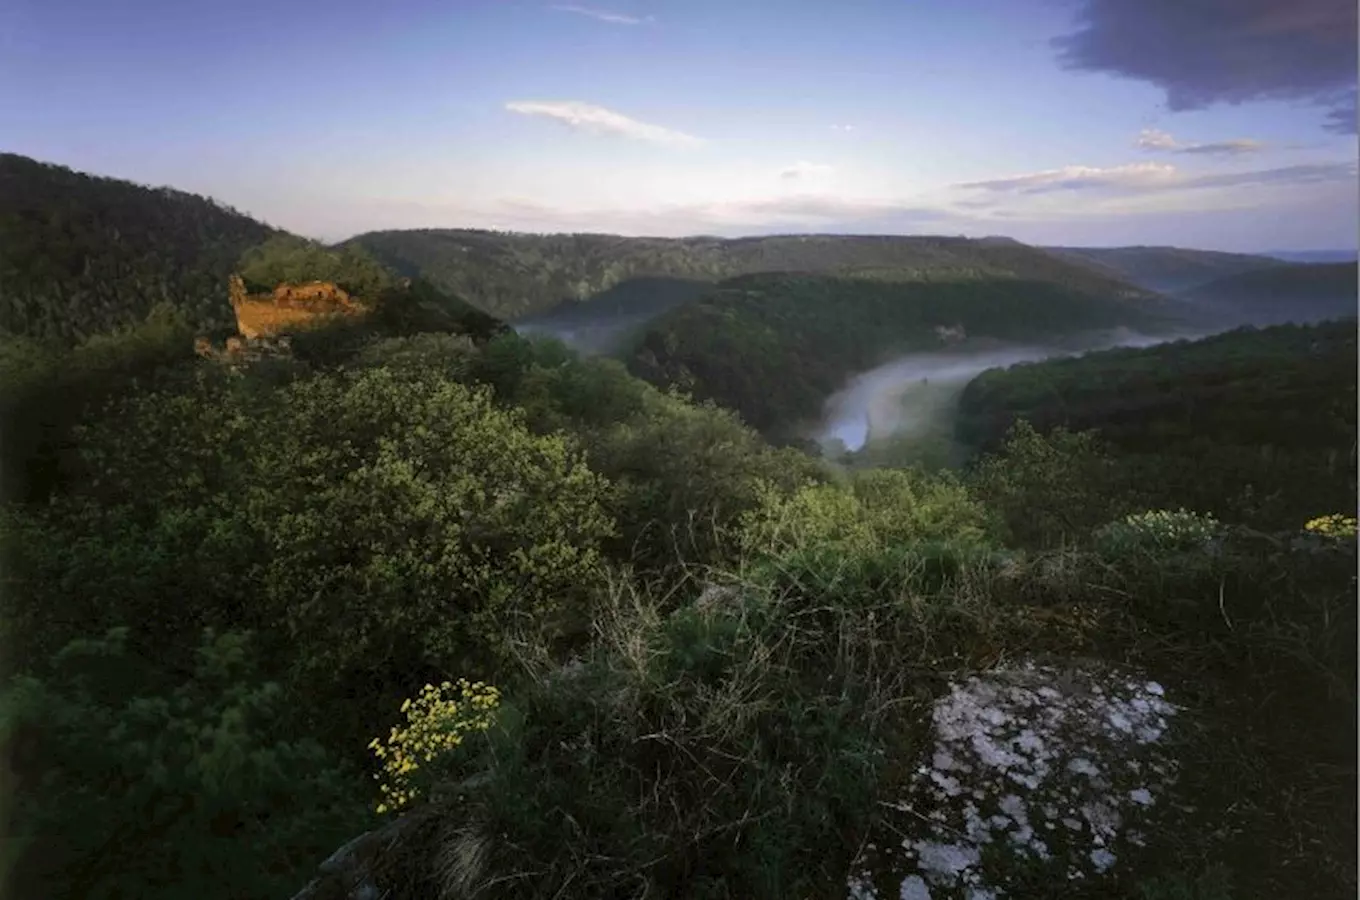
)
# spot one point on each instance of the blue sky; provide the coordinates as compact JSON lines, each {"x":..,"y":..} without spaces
{"x":1223,"y":124}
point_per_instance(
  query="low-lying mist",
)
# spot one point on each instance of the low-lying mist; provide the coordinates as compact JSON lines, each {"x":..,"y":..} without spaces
{"x":915,"y":397}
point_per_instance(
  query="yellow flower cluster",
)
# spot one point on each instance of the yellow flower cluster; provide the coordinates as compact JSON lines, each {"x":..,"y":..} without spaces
{"x":435,"y":724}
{"x":1335,"y":526}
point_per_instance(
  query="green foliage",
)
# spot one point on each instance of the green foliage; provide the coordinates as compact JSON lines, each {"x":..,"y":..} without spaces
{"x":1049,"y":489}
{"x":81,"y":255}
{"x":138,"y":781}
{"x":1214,"y":883}
{"x":46,"y":390}
{"x":288,"y":258}
{"x":1252,"y":426}
{"x":1279,"y":294}
{"x":1158,"y":531}
{"x":882,"y":509}
{"x":380,"y":525}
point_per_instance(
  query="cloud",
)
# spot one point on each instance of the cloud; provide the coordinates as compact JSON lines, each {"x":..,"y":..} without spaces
{"x":803,"y":169}
{"x":1151,"y":178}
{"x":1288,"y":175}
{"x":600,"y":15}
{"x":842,"y":127}
{"x":1342,"y":117}
{"x":598,"y":120}
{"x":1152,"y":139}
{"x":1204,"y":52}
{"x":1075,"y":178}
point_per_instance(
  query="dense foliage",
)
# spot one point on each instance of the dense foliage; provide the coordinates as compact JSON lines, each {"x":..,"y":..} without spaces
{"x":81,"y":255}
{"x":774,"y":347}
{"x":516,"y":275}
{"x":1257,"y":426}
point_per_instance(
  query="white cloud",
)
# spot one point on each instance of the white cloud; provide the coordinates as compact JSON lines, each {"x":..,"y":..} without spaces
{"x":601,"y":15}
{"x":1159,"y":141}
{"x":1071,"y":178}
{"x":1150,"y":178}
{"x":598,"y":120}
{"x":804,"y":169}
{"x":842,"y":127}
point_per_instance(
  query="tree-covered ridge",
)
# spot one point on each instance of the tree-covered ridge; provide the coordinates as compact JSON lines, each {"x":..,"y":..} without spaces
{"x":1254,"y":425}
{"x":1303,"y":292}
{"x":81,"y":255}
{"x":774,"y":347}
{"x":1167,"y":269}
{"x":518,"y":275}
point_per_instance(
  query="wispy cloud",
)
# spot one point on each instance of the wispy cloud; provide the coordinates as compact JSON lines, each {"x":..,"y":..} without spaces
{"x":804,"y":169}
{"x":598,"y":120}
{"x":1159,"y":141}
{"x":600,"y":15}
{"x":1140,"y":178}
{"x":842,"y":127}
{"x":1076,"y":178}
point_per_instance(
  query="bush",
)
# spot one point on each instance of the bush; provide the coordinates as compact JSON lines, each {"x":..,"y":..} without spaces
{"x":1050,"y":489}
{"x":137,"y":781}
{"x":1158,"y":532}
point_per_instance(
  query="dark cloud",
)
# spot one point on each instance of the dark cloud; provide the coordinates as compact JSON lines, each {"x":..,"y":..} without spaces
{"x":1342,"y":118}
{"x":1203,"y":52}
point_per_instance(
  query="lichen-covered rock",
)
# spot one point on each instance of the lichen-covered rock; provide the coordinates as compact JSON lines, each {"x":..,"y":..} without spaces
{"x":1034,"y":771}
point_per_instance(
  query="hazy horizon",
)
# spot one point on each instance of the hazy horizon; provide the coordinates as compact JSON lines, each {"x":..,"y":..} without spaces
{"x":1219,"y":126}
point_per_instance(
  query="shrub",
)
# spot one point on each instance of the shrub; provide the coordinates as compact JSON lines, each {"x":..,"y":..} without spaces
{"x":138,"y":781}
{"x":1158,"y":532}
{"x":1336,"y":526}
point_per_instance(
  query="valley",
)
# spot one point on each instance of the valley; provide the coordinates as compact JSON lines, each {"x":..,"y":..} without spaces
{"x":668,"y":567}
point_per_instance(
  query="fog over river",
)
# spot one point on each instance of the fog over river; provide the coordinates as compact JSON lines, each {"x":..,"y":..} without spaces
{"x":907,"y":397}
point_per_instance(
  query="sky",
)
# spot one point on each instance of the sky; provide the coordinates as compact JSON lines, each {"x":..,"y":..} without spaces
{"x":1217,"y":124}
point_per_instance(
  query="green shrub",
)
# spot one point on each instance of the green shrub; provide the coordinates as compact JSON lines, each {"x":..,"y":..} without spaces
{"x":1158,"y":532}
{"x":138,"y":781}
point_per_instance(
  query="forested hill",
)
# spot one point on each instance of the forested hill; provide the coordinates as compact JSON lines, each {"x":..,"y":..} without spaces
{"x":513,"y":276}
{"x":1249,"y":424}
{"x":1284,"y":293}
{"x":775,"y":346}
{"x":1165,"y":269}
{"x":81,"y":255}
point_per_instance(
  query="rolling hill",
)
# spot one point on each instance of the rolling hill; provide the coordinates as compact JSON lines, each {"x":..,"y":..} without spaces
{"x":1284,"y":293}
{"x":517,"y":276}
{"x":81,"y":255}
{"x":1163,"y":269}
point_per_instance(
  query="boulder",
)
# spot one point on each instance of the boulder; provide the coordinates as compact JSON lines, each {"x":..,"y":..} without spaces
{"x":1033,"y":772}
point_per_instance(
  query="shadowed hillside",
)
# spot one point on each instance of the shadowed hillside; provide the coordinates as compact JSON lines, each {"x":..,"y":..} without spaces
{"x":81,"y":255}
{"x":1165,"y":269}
{"x":517,"y":275}
{"x":1286,"y":293}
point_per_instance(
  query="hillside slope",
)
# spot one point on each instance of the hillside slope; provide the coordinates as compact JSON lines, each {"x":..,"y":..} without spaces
{"x":1165,"y":269}
{"x":514,"y":276}
{"x":1284,"y":293}
{"x":80,"y":254}
{"x":1253,"y":424}
{"x":775,"y":346}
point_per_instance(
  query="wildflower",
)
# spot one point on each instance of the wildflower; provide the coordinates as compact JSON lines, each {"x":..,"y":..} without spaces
{"x":1336,"y":527}
{"x":435,"y":724}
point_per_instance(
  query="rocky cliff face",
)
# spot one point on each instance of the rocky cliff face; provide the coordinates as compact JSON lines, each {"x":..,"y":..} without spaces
{"x":289,"y":307}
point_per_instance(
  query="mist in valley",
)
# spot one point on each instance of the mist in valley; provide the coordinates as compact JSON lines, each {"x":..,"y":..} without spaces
{"x":910,"y":402}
